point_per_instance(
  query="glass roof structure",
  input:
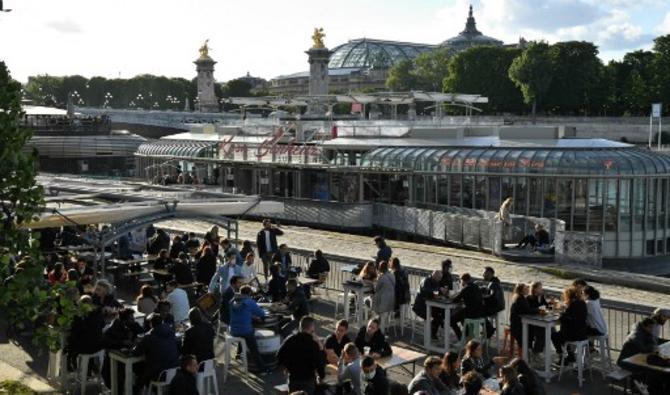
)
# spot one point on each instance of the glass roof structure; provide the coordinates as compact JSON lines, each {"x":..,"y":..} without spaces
{"x":368,"y":53}
{"x":606,"y":161}
{"x":174,"y":148}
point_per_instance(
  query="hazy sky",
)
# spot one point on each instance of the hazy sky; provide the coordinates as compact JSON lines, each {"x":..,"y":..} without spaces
{"x":269,"y":37}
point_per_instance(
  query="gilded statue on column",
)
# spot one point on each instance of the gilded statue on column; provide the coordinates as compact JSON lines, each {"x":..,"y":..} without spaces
{"x":204,"y":50}
{"x":317,"y":38}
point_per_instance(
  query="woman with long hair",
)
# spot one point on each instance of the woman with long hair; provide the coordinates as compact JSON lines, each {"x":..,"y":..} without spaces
{"x":519,"y":307}
{"x":206,"y":266}
{"x":573,"y":323}
{"x":402,"y":295}
{"x":450,"y":366}
{"x":509,"y":383}
{"x":595,"y":319}
{"x":146,"y":300}
{"x":531,"y":381}
{"x":369,"y":272}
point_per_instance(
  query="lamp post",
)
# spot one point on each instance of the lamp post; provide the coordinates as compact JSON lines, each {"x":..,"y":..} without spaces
{"x":139,"y":100}
{"x":108,"y":99}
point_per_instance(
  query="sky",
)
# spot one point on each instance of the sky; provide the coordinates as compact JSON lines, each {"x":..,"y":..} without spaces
{"x":267,"y":38}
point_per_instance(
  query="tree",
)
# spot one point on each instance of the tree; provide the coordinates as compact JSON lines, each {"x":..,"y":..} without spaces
{"x":532,"y":73}
{"x":431,"y":68}
{"x":578,"y":74}
{"x":483,"y":70}
{"x":661,"y":65}
{"x":401,"y":77}
{"x":24,"y":297}
{"x":236,"y":88}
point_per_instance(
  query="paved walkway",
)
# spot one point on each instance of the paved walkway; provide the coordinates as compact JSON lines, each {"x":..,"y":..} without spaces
{"x":428,"y":257}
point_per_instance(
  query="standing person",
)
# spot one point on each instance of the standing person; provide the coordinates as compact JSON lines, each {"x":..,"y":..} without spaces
{"x":595,"y":320}
{"x":428,"y":380}
{"x":184,"y":381}
{"x":199,"y":338}
{"x":471,"y":296}
{"x":384,"y":252}
{"x":178,"y":299}
{"x":447,"y":278}
{"x":349,"y":368}
{"x":373,"y":378}
{"x":246,"y":248}
{"x":383,"y":299}
{"x":266,"y":241}
{"x":302,"y":356}
{"x":372,"y":337}
{"x":509,"y":383}
{"x":504,"y":217}
{"x":226,"y":299}
{"x":336,"y":341}
{"x":519,"y":307}
{"x":206,"y":266}
{"x":181,"y":270}
{"x":430,"y":289}
{"x":243,"y":310}
{"x":402,"y":294}
{"x":221,"y":280}
{"x":494,"y":298}
{"x":573,"y":324}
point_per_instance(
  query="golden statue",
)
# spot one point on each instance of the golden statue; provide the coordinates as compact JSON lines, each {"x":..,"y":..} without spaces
{"x":317,"y":38}
{"x":204,"y":50}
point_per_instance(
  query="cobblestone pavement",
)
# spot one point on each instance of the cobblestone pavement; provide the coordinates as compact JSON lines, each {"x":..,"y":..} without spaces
{"x":426,"y":256}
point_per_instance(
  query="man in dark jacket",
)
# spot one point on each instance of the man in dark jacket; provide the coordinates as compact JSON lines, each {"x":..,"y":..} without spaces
{"x":373,"y":378}
{"x":86,"y":331}
{"x":160,"y":349}
{"x":372,"y":337}
{"x":427,"y":289}
{"x":639,"y":341}
{"x":303,"y":357}
{"x":494,"y":297}
{"x":283,"y":257}
{"x":471,"y":296}
{"x":297,"y":305}
{"x":184,"y":382}
{"x":199,"y":338}
{"x":266,"y":241}
{"x":384,"y":252}
{"x":227,"y":297}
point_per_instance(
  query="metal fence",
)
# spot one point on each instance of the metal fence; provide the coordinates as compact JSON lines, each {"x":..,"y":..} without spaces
{"x":324,"y":213}
{"x":620,"y":316}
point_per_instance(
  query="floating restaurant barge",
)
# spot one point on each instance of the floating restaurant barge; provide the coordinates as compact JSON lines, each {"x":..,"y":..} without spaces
{"x":616,"y":191}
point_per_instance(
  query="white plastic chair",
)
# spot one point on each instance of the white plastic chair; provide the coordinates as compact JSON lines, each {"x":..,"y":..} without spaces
{"x":83,"y":362}
{"x":168,"y":375}
{"x":230,"y":341}
{"x":582,"y":355}
{"x":603,"y":344}
{"x":207,"y":377}
{"x":474,"y":328}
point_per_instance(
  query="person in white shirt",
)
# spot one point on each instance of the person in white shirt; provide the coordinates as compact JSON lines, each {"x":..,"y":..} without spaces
{"x":595,"y":320}
{"x":178,"y":299}
{"x":248,"y":268}
{"x":349,"y":368}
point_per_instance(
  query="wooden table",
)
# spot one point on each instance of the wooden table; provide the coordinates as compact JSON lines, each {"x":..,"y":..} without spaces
{"x":547,"y":321}
{"x":308,"y":281}
{"x":641,"y":359}
{"x":360,"y":289}
{"x":116,"y":357}
{"x":447,"y":305}
{"x":401,"y":356}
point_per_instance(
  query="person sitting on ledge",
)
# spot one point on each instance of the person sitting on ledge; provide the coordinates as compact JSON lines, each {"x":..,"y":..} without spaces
{"x":540,"y":239}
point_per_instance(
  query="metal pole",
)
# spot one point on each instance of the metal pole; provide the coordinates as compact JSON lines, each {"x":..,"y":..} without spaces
{"x":659,"y":132}
{"x":650,"y":130}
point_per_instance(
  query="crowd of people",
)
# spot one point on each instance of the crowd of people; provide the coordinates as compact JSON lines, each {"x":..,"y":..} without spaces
{"x":176,"y":333}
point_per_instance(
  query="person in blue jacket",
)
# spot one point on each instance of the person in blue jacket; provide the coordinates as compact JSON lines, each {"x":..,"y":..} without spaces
{"x":243,"y":310}
{"x":221,"y":279}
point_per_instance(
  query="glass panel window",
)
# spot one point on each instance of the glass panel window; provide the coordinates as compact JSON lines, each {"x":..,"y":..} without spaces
{"x":455,"y":197}
{"x":625,"y":203}
{"x":468,"y":191}
{"x":564,"y":193}
{"x":596,"y":205}
{"x":652,"y":199}
{"x":535,"y":202}
{"x":480,"y":193}
{"x":579,"y":206}
{"x":610,"y":204}
{"x":443,"y":190}
{"x":550,"y":198}
{"x":494,"y":193}
{"x":520,"y":196}
{"x":639,"y":197}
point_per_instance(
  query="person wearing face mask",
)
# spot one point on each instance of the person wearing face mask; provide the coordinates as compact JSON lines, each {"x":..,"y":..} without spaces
{"x":373,"y":378}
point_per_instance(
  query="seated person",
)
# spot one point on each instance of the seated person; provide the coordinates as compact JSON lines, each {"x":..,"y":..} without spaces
{"x":184,"y":381}
{"x":349,"y":368}
{"x":450,"y":376}
{"x":277,"y":284}
{"x":595,"y":319}
{"x":146,"y":301}
{"x":160,"y":349}
{"x":84,"y":274}
{"x":163,"y":260}
{"x":243,"y":311}
{"x":472,"y":298}
{"x":473,"y":360}
{"x":103,"y":296}
{"x":164,"y":308}
{"x":640,"y":340}
{"x":428,"y":380}
{"x":58,"y":275}
{"x":178,"y":299}
{"x":226,"y":299}
{"x":121,"y":334}
{"x":371,"y":336}
{"x":177,"y":247}
{"x":520,"y":306}
{"x":199,"y":338}
{"x":540,"y":239}
{"x":573,"y":324}
{"x":181,"y":270}
{"x":529,"y":379}
{"x":509,"y":383}
{"x":319,"y":267}
{"x":192,"y":243}
{"x":472,"y":383}
{"x":283,"y":257}
{"x":369,"y":273}
{"x":660,"y":317}
{"x":373,"y":378}
{"x":297,"y":304}
{"x":248,"y":269}
{"x":85,"y":335}
{"x":335,"y":342}
{"x":429,"y":289}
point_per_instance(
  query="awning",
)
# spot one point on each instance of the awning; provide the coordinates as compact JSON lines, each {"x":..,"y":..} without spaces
{"x":175,"y":148}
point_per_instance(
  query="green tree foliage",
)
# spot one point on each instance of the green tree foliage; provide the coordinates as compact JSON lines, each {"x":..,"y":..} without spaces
{"x":236,"y":88}
{"x":661,"y":65}
{"x":426,"y":72}
{"x":577,"y":78}
{"x":532,"y":73}
{"x":483,"y":70}
{"x":25,"y":297}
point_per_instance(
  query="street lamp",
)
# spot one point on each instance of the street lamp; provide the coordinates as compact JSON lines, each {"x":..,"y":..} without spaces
{"x":108,"y":99}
